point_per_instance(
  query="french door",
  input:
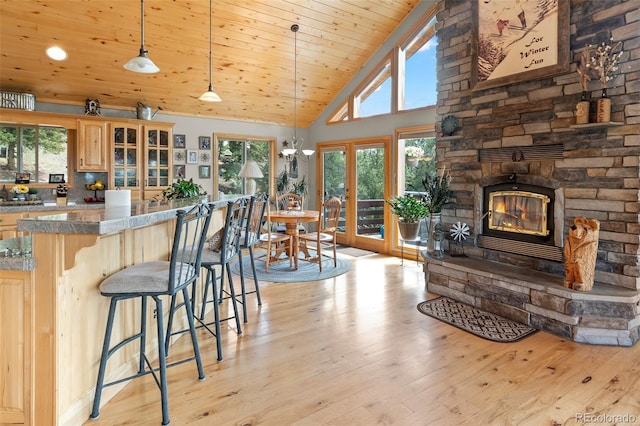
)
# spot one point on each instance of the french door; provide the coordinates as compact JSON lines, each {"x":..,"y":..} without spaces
{"x":357,"y":172}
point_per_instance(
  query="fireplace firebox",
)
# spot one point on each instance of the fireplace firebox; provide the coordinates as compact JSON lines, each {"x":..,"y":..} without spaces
{"x":520,"y":212}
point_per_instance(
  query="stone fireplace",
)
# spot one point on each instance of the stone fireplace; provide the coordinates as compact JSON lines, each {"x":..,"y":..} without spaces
{"x":518,"y":217}
{"x":522,"y":171}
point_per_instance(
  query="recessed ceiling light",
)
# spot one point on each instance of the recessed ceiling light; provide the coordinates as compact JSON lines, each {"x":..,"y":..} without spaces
{"x":56,"y":53}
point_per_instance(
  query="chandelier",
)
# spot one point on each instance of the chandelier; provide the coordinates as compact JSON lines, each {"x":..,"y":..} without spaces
{"x":289,"y":152}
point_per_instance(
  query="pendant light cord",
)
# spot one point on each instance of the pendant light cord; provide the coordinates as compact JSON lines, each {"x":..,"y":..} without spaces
{"x":210,"y":42}
{"x":142,"y":49}
{"x":295,"y":28}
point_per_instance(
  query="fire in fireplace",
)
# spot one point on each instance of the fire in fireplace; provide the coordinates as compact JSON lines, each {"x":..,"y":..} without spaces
{"x":519,"y":212}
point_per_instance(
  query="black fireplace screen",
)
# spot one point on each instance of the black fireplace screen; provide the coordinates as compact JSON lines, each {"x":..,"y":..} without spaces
{"x":520,"y":212}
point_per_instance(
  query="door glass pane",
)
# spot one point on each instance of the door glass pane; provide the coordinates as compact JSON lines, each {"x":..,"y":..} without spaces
{"x":164,"y":138}
{"x":369,"y":191}
{"x":118,"y":156}
{"x":131,"y":157}
{"x":164,"y":158}
{"x":132,"y":179}
{"x":334,"y":180}
{"x":132,"y":135}
{"x":417,"y":161}
{"x":232,"y":155}
{"x":153,"y":157}
{"x":152,"y":138}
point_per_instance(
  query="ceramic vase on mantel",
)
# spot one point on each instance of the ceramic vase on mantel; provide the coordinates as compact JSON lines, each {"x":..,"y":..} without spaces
{"x":603,"y":113}
{"x":582,"y":109}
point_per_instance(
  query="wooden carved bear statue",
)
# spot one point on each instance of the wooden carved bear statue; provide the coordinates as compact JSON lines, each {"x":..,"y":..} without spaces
{"x":580,"y":251}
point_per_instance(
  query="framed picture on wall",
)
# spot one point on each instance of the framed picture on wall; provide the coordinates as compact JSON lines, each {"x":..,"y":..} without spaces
{"x":178,"y":171}
{"x":192,"y":157}
{"x":204,"y":172}
{"x":179,"y":141}
{"x":515,"y":41}
{"x":205,"y":142}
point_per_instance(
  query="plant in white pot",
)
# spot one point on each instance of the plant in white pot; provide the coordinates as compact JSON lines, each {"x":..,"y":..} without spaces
{"x":410,"y":210}
{"x":413,"y":154}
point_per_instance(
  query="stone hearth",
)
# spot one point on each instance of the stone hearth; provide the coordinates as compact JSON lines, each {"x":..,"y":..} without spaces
{"x":607,"y":315}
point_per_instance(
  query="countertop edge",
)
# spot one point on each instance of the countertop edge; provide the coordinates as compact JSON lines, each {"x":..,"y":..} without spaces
{"x":107,"y":221}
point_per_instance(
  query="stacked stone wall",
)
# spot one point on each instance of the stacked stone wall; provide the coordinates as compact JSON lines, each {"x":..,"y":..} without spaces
{"x":599,"y":168}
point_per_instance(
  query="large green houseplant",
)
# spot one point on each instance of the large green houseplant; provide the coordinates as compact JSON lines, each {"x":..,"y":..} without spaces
{"x":183,"y":189}
{"x":410,"y":210}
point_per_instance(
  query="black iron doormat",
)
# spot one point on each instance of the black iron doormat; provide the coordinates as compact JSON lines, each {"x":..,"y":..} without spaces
{"x":475,"y":321}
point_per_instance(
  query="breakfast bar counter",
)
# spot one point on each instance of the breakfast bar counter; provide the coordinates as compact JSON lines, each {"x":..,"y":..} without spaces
{"x":53,"y":317}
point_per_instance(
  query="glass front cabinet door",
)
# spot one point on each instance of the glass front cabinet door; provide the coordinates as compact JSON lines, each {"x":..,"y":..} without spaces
{"x":157,"y":159}
{"x":125,"y":161}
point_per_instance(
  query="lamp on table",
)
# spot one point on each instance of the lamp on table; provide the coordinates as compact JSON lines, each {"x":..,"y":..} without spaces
{"x":250,"y":170}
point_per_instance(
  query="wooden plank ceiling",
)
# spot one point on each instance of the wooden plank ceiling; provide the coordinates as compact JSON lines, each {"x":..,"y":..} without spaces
{"x":253,"y":52}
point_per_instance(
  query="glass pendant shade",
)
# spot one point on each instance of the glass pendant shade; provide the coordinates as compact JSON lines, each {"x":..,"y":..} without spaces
{"x":210,"y":96}
{"x":141,"y":63}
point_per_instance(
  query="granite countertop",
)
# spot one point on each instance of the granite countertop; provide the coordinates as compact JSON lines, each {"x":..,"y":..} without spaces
{"x":49,"y":206}
{"x":105,"y":220}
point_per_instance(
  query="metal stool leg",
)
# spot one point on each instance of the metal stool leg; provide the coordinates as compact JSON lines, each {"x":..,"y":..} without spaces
{"x":95,"y":412}
{"x":162,"y":360}
{"x":192,"y":329}
{"x":232,"y":293}
{"x":255,"y":275}
{"x":243,"y":291}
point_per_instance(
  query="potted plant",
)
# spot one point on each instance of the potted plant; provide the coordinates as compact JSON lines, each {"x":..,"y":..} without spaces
{"x":33,"y":193}
{"x":183,"y":189}
{"x":412,"y":154}
{"x":410,"y":210}
{"x":436,"y":194}
{"x":436,"y":191}
{"x":300,"y":187}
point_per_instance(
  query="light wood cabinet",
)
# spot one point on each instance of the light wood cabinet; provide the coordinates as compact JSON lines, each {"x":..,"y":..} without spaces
{"x":91,"y":146}
{"x":16,"y":344}
{"x":157,"y":165}
{"x":8,"y":224}
{"x":125,"y":157}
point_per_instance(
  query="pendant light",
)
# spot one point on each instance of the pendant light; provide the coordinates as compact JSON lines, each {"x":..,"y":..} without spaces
{"x":141,"y":63}
{"x":210,"y":95}
{"x":296,"y":142}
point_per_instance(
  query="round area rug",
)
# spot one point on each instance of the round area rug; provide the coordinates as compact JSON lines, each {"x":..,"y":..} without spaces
{"x":281,"y":272}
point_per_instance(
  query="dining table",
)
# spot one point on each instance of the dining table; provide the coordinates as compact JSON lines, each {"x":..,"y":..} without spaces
{"x":292,"y":219}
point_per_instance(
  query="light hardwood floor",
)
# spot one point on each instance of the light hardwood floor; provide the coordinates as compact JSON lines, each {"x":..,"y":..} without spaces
{"x":354,"y":350}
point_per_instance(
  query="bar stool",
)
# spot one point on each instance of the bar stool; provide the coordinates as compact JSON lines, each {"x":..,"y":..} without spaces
{"x":155,"y":279}
{"x":251,"y":236}
{"x":229,"y":248}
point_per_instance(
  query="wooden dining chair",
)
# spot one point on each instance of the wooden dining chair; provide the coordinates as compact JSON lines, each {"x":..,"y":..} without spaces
{"x":288,"y":201}
{"x":274,"y":243}
{"x":329,"y":214}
